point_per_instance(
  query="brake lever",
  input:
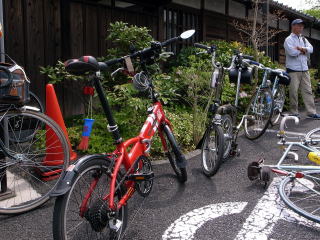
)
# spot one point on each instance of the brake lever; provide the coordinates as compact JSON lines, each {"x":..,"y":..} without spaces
{"x":166,"y":54}
{"x":116,"y":71}
{"x":202,"y":52}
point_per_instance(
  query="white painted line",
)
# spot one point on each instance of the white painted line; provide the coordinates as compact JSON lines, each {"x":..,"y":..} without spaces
{"x":23,"y":191}
{"x":269,"y":210}
{"x":186,"y":226}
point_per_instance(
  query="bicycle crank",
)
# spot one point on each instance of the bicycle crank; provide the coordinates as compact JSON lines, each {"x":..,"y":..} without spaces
{"x":143,"y":176}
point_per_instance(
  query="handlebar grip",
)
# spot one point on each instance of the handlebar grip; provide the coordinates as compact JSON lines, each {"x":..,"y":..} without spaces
{"x":113,"y":61}
{"x":10,"y":77}
{"x":167,"y":42}
{"x":248,"y":57}
{"x":199,"y":45}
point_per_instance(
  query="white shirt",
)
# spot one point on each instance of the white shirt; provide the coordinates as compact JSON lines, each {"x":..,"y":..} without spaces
{"x":295,"y":60}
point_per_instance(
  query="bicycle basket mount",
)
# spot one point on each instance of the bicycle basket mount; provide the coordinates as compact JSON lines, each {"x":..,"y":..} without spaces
{"x":141,"y":82}
{"x":14,"y":89}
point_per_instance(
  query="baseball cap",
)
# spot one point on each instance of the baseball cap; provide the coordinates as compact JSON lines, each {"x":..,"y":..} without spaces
{"x":297,"y":21}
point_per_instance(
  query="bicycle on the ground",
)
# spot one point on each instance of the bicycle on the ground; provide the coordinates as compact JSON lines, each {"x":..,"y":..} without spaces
{"x":93,"y":197}
{"x":300,"y":187}
{"x":220,"y":139}
{"x":33,"y":149}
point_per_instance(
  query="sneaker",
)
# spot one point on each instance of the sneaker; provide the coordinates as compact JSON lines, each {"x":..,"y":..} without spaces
{"x":314,"y":116}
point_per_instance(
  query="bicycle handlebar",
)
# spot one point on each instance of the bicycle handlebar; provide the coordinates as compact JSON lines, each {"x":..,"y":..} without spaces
{"x":154,"y":47}
{"x":285,"y":119}
{"x":248,"y":57}
{"x":202,"y":46}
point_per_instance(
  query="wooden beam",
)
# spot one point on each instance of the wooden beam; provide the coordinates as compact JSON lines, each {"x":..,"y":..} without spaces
{"x":203,"y":22}
{"x":65,"y":29}
{"x":227,"y":4}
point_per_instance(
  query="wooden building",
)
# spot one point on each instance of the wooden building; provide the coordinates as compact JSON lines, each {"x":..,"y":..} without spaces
{"x":39,"y":32}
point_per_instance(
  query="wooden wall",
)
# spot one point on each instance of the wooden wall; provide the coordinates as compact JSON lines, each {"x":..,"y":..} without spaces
{"x":38,"y":33}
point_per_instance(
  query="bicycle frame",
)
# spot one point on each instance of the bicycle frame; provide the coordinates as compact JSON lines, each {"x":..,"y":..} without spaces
{"x":139,"y":145}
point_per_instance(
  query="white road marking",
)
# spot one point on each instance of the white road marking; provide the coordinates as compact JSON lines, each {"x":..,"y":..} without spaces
{"x":269,"y":210}
{"x":258,"y":226}
{"x":24,"y":191}
{"x":186,"y":226}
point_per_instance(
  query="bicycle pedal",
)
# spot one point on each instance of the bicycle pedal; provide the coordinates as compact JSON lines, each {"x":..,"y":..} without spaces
{"x":140,"y":177}
{"x":115,"y":224}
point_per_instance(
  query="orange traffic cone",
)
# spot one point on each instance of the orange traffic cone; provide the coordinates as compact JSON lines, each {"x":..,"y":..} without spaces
{"x":54,"y":152}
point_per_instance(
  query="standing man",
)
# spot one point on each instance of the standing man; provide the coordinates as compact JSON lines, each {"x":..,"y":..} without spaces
{"x":298,"y":50}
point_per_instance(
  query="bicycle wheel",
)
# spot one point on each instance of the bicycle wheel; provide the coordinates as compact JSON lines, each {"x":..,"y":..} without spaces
{"x":29,"y":170}
{"x":302,"y":194}
{"x":83,"y":212}
{"x":259,"y":113}
{"x":35,"y":102}
{"x":176,"y":158}
{"x":212,"y":150}
{"x":227,"y":126}
{"x":279,"y":98}
{"x":313,"y":138}
{"x":26,"y":132}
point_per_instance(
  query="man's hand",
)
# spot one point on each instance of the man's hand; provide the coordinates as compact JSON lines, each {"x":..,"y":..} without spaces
{"x":302,"y":50}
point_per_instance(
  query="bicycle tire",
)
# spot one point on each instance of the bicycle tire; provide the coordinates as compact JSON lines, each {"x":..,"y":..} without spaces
{"x":35,"y":102}
{"x":26,"y":169}
{"x":279,"y":99}
{"x":258,"y":132}
{"x":174,"y":154}
{"x":219,"y":149}
{"x":60,"y":213}
{"x":293,"y":206}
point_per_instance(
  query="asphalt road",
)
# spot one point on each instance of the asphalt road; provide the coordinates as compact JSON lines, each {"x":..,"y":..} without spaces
{"x":226,"y":206}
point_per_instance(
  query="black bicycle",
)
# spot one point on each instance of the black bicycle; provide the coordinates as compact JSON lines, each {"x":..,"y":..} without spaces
{"x":220,"y":139}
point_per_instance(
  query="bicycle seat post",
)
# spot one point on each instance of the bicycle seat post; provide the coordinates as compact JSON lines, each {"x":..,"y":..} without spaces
{"x":112,"y":126}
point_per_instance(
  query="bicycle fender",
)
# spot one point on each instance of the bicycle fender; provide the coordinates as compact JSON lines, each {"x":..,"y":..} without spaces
{"x":64,"y":185}
{"x":181,"y":160}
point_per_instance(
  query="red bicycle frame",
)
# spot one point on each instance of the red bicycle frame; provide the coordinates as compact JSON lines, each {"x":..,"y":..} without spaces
{"x":140,"y":146}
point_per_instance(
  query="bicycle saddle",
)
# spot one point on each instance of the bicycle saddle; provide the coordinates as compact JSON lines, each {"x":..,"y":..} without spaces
{"x":82,"y":65}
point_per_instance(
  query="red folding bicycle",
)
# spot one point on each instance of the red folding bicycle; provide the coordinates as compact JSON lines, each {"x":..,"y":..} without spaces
{"x":92,"y":197}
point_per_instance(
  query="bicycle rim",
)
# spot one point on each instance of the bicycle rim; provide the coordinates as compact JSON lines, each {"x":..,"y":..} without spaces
{"x":259,"y":113}
{"x":92,"y":221}
{"x":302,"y":195}
{"x":212,"y":150}
{"x":279,"y":99}
{"x":34,"y":168}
